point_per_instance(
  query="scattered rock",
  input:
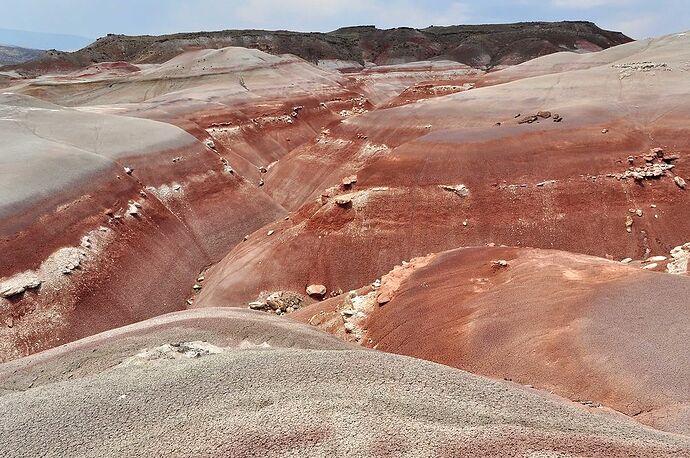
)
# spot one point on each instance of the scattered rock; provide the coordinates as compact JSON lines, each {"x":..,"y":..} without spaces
{"x":285,"y":301}
{"x":529,"y":120}
{"x":649,"y":171}
{"x":271,"y":232}
{"x":650,"y":266}
{"x":128,"y":171}
{"x":261,"y":182}
{"x":197,"y":287}
{"x":210,"y":143}
{"x":500,"y":263}
{"x":544,"y":114}
{"x":679,"y":182}
{"x":179,"y":350}
{"x":349,"y":327}
{"x":19,"y":283}
{"x":133,"y":209}
{"x":544,"y":183}
{"x":639,"y":212}
{"x":679,"y":263}
{"x":557,"y":118}
{"x":349,"y":181}
{"x":604,"y":131}
{"x":626,"y":261}
{"x":263,"y":169}
{"x":656,"y":259}
{"x":628,"y":223}
{"x":316,"y":291}
{"x":344,"y":201}
{"x":68,"y":259}
{"x":459,"y":189}
{"x":258,"y":305}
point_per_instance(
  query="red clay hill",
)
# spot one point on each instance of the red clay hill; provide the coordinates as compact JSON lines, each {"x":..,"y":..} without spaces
{"x":468,"y":247}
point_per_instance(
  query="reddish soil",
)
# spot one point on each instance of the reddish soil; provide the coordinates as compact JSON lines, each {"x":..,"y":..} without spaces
{"x":582,"y":327}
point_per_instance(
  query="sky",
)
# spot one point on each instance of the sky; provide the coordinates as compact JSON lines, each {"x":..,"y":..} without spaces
{"x":95,"y":18}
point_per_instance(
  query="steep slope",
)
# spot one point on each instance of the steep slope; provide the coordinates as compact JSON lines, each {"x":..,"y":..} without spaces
{"x":199,"y":185}
{"x":607,"y":179}
{"x":106,"y":220}
{"x":258,"y":388}
{"x":481,"y":46}
{"x":592,"y":330}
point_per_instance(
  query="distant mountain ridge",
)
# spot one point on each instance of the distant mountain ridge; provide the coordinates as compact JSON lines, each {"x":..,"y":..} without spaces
{"x":481,"y":46}
{"x":15,"y":55}
{"x":42,"y":40}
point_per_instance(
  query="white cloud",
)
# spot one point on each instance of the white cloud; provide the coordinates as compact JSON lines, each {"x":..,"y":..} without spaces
{"x":585,"y":4}
{"x":319,"y":15}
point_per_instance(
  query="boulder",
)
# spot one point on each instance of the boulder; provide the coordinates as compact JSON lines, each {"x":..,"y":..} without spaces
{"x":316,"y":291}
{"x":285,"y":301}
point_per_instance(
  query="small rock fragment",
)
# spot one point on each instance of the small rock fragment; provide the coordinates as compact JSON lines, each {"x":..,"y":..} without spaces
{"x":628,"y":223}
{"x":656,"y":259}
{"x":679,"y":182}
{"x":500,"y":263}
{"x":349,"y":181}
{"x":258,"y":305}
{"x":271,"y":232}
{"x":128,"y":171}
{"x":344,"y":201}
{"x":459,"y":189}
{"x":626,"y":261}
{"x":650,"y":266}
{"x":604,"y":131}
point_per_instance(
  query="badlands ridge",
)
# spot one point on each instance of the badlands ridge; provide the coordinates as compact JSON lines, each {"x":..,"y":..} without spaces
{"x":237,"y":253}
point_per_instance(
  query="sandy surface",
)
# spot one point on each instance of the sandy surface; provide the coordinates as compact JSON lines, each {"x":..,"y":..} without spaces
{"x":276,"y":401}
